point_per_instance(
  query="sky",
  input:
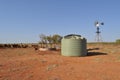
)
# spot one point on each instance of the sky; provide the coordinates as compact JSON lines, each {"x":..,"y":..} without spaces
{"x":22,"y":21}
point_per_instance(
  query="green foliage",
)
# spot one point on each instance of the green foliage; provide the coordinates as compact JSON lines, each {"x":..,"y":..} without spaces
{"x":54,"y":39}
{"x":118,"y":41}
{"x":50,"y":40}
{"x":43,"y":38}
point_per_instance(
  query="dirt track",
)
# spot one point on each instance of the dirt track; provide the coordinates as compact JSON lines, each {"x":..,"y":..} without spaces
{"x":27,"y":64}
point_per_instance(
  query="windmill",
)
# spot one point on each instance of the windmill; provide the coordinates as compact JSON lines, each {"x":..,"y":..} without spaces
{"x":98,"y":37}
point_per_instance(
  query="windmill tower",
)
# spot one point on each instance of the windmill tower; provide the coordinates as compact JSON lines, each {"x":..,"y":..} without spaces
{"x":98,"y":37}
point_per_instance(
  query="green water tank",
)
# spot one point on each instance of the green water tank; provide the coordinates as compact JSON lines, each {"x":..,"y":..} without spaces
{"x":73,"y":45}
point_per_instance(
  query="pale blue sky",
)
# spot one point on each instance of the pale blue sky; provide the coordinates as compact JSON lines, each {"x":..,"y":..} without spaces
{"x":21,"y":21}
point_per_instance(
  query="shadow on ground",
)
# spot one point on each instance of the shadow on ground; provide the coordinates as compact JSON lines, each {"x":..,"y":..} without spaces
{"x":90,"y":49}
{"x":91,"y":52}
{"x":95,"y":53}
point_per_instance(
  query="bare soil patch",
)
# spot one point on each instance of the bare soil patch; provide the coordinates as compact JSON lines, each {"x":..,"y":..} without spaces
{"x":101,"y":63}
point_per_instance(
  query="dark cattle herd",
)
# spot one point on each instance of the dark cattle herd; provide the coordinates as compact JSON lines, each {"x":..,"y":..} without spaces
{"x":17,"y":45}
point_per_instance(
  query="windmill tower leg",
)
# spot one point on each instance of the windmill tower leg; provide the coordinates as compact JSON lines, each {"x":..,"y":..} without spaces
{"x":98,"y":37}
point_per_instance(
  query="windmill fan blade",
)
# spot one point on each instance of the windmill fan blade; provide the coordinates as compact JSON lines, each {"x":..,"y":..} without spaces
{"x":96,"y":23}
{"x":102,"y":23}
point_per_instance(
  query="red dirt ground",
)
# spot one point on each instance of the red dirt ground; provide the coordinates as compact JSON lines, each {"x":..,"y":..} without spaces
{"x":27,"y":64}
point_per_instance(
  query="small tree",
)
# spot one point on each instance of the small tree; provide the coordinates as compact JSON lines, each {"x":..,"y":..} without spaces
{"x":49,"y":39}
{"x":56,"y":39}
{"x":43,"y":40}
{"x":118,"y":41}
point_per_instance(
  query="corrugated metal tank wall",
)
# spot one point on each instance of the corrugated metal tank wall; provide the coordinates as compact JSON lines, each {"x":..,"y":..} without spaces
{"x":73,"y":45}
